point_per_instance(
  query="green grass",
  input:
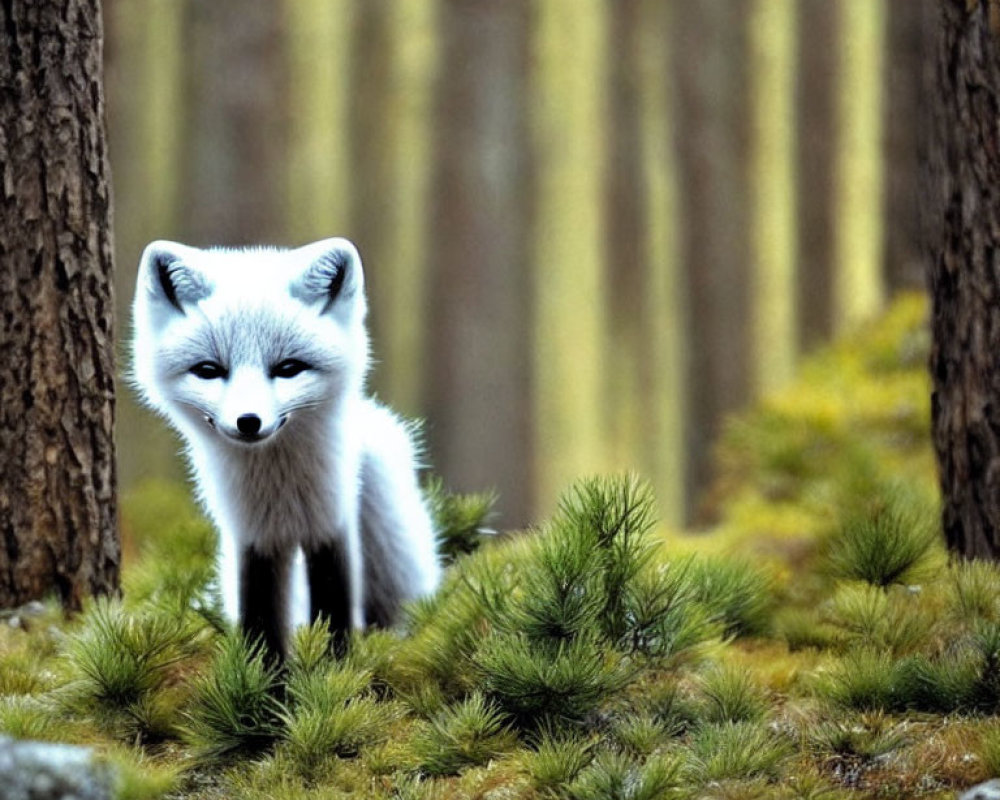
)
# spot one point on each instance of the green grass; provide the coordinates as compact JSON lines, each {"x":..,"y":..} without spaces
{"x":735,"y":751}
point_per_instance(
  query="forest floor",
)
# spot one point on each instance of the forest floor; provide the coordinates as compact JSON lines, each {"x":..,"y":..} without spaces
{"x":812,"y":642}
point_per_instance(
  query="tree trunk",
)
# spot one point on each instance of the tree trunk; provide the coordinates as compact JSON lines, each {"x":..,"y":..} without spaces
{"x":908,"y":49}
{"x":57,"y":472}
{"x":712,"y":115}
{"x":235,"y":85}
{"x":964,"y":275}
{"x":819,"y":33}
{"x":479,"y":388}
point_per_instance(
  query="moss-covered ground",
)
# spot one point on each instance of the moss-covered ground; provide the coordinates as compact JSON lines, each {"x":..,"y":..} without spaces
{"x":813,"y":641}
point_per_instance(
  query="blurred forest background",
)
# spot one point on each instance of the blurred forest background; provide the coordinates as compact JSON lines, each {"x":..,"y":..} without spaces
{"x":590,"y":228}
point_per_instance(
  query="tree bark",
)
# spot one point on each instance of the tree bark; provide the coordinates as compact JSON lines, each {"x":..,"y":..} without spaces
{"x":965,"y":274}
{"x":57,"y":470}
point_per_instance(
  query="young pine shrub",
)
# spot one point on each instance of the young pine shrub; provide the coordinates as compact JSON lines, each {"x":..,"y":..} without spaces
{"x":729,"y":694}
{"x":803,"y":628}
{"x":552,"y":684}
{"x":448,"y":627}
{"x":611,"y":518}
{"x":617,"y":776}
{"x":666,"y":622}
{"x":459,"y":519}
{"x":121,"y":663}
{"x":27,"y":717}
{"x":866,"y":737}
{"x":470,"y":733}
{"x":588,"y":600}
{"x":557,"y":758}
{"x":233,"y":708}
{"x":864,"y":679}
{"x":890,"y":619}
{"x":640,"y":734}
{"x":975,"y":590}
{"x":952,"y":681}
{"x":563,"y":598}
{"x":735,"y":591}
{"x":890,"y":535}
{"x":735,"y":751}
{"x":330,"y":710}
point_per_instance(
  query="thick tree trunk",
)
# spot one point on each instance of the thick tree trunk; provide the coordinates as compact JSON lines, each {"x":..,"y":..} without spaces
{"x":57,"y":474}
{"x":964,"y":275}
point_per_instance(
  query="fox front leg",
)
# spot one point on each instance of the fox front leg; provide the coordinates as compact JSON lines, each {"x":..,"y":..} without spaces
{"x":263,"y":599}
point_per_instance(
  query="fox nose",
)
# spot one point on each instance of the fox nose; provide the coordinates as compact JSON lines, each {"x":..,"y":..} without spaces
{"x":248,"y":424}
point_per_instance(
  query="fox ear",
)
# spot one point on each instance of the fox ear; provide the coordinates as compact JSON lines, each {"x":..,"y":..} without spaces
{"x":168,"y":276}
{"x":333,"y":274}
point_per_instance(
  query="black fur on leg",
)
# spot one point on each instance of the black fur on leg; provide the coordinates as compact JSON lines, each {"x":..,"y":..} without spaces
{"x":264,"y":600}
{"x":329,"y":592}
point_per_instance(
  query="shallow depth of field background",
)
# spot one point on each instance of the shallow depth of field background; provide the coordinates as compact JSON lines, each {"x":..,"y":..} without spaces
{"x":590,"y":228}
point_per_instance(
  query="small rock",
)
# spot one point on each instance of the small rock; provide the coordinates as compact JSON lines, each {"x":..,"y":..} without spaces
{"x":44,"y":771}
{"x":14,"y":622}
{"x":33,"y":608}
{"x":990,"y":790}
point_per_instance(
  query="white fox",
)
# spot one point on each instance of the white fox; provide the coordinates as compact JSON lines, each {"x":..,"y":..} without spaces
{"x":258,"y":358}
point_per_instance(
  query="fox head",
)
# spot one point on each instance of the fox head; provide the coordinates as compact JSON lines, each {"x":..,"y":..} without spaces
{"x":238,"y":343}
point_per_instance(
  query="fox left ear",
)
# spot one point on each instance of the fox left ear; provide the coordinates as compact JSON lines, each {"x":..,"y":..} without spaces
{"x":334,"y":274}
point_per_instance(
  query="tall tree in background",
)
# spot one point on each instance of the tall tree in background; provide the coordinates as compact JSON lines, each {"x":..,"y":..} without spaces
{"x":235,"y":87}
{"x":478,"y":260}
{"x":909,"y":30}
{"x":57,"y":473}
{"x":712,"y":120}
{"x":819,"y":30}
{"x":964,"y":279}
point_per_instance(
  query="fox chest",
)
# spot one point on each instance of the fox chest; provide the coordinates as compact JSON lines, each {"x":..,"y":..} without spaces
{"x":282,"y":499}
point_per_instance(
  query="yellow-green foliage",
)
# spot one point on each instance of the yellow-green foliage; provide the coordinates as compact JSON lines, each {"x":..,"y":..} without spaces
{"x":814,"y":643}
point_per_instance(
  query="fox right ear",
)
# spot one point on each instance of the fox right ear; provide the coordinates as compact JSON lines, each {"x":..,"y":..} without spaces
{"x":332,"y":275}
{"x":168,"y":276}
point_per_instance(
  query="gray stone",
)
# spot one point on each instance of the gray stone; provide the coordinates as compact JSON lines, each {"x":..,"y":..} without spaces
{"x":990,"y":790}
{"x":44,"y":771}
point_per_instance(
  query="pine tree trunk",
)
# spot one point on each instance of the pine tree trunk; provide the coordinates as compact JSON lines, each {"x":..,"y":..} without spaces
{"x":964,"y":275}
{"x":712,"y":120}
{"x":819,"y":32}
{"x":908,"y":35}
{"x":479,"y":284}
{"x":235,"y":82}
{"x":57,"y":472}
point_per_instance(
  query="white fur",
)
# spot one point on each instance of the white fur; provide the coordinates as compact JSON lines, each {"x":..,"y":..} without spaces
{"x":302,"y":481}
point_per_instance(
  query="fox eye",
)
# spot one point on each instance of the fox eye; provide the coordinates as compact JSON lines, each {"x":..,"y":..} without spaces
{"x":289,"y":368}
{"x":208,"y":370}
